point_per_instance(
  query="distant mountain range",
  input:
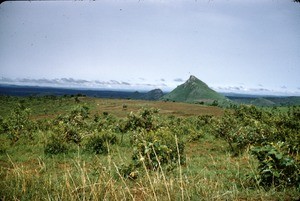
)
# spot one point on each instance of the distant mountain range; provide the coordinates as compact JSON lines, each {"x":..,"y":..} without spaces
{"x":16,"y":90}
{"x":194,"y":91}
{"x":154,"y":94}
{"x":265,"y":101}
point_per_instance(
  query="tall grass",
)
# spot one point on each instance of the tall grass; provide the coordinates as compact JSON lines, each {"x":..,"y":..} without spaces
{"x":210,"y":172}
{"x":98,"y":178}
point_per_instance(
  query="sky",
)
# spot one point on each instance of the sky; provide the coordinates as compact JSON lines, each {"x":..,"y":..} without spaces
{"x":241,"y":46}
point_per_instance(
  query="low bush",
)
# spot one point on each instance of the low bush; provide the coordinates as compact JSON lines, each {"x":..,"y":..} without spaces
{"x":274,"y":136}
{"x":158,"y":148}
{"x":277,"y":167}
{"x":55,"y":146}
{"x":145,"y":119}
{"x":18,"y":124}
{"x":72,"y":135}
{"x":98,"y":143}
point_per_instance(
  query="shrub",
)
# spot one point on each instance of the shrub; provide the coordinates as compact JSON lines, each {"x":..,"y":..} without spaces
{"x":195,"y":136}
{"x":156,"y":148}
{"x":276,"y":166}
{"x":78,"y":115}
{"x":55,"y":146}
{"x":145,"y":119}
{"x":275,"y":137}
{"x":72,"y":135}
{"x":245,"y":126}
{"x":3,"y":147}
{"x":98,"y":143}
{"x":18,"y":124}
{"x":107,"y":122}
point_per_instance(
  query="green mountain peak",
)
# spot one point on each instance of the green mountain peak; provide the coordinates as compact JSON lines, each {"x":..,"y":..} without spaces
{"x":194,"y":90}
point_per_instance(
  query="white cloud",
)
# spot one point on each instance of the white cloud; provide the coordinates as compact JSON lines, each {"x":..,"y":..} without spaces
{"x":257,"y":90}
{"x":80,"y":83}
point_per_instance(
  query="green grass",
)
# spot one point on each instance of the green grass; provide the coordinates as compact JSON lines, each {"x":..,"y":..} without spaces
{"x":210,"y":172}
{"x":40,"y":106}
{"x":43,"y":107}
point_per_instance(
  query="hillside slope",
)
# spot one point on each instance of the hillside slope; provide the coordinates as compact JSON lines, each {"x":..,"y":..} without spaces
{"x":194,"y":91}
{"x":154,"y":94}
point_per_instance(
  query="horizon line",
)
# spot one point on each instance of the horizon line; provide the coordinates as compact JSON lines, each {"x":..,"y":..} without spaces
{"x":143,"y":90}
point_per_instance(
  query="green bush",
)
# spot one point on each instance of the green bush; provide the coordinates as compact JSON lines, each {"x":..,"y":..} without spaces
{"x":277,"y":167}
{"x":275,"y":136}
{"x":55,"y":146}
{"x":98,"y":143}
{"x":105,"y":122}
{"x":156,"y":148}
{"x":245,"y":126}
{"x":3,"y":147}
{"x":195,"y":136}
{"x":77,"y":117}
{"x":18,"y":124}
{"x":145,"y":119}
{"x":72,"y":135}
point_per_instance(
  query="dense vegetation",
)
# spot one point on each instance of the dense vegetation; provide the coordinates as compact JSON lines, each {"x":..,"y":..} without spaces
{"x":78,"y":148}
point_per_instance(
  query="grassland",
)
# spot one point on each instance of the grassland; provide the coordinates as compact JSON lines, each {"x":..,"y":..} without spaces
{"x":210,"y":171}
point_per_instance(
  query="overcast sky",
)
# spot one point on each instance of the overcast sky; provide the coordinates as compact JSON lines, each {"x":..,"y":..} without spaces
{"x":248,"y":46}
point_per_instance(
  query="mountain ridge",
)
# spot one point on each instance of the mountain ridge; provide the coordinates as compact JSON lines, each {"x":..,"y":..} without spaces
{"x":194,"y":91}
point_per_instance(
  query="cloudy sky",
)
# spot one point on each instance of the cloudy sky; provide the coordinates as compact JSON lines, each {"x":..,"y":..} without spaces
{"x":244,"y":46}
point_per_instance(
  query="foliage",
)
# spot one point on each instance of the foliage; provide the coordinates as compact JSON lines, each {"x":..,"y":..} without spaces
{"x":245,"y":126}
{"x":150,"y":162}
{"x":72,"y":125}
{"x":18,"y":124}
{"x":145,"y":119}
{"x":72,"y":135}
{"x":55,"y":146}
{"x":98,"y":143}
{"x":277,"y":166}
{"x":273,"y":136}
{"x":156,"y":148}
{"x":288,"y":125}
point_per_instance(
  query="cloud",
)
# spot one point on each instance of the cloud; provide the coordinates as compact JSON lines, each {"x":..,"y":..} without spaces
{"x":4,"y":79}
{"x":114,"y":82}
{"x":178,"y":80}
{"x":80,"y":83}
{"x":259,"y":90}
{"x":43,"y":80}
{"x":72,"y":81}
{"x":125,"y":83}
{"x":229,"y":88}
{"x":162,"y":79}
{"x":244,"y":90}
